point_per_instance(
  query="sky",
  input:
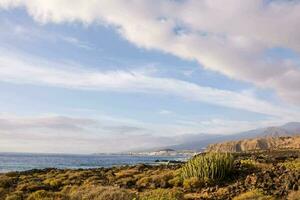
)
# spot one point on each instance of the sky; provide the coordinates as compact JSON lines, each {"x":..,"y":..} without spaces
{"x":97,"y":76}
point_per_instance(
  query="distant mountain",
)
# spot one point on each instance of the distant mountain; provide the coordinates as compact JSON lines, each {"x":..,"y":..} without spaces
{"x":198,"y":142}
{"x":262,"y":143}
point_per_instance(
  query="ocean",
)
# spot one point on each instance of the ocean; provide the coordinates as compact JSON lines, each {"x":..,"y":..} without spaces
{"x":26,"y":161}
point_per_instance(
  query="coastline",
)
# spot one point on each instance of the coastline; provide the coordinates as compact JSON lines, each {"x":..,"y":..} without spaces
{"x":268,"y":172}
{"x":27,"y":161}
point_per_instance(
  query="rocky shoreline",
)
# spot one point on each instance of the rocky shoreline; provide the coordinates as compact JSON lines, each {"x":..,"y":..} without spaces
{"x":273,"y":173}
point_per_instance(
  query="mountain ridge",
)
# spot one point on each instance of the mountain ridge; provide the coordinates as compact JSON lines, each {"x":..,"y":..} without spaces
{"x":200,"y":142}
{"x":254,"y":144}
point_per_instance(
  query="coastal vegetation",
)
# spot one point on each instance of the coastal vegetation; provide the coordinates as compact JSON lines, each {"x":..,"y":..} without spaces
{"x":264,"y":175}
{"x":208,"y":167}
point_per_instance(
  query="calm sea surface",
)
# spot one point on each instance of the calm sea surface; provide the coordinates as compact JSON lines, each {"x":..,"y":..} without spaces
{"x":22,"y":161}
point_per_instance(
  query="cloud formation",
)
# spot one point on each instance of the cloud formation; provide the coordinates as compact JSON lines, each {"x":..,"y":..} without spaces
{"x":12,"y":30}
{"x":23,"y":69}
{"x":231,"y":38}
{"x":64,"y":134}
{"x":61,"y":134}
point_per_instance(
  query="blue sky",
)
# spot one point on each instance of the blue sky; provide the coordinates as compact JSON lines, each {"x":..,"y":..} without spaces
{"x":138,"y":76}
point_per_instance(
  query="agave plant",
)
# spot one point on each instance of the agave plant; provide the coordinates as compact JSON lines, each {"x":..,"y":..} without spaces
{"x":210,"y":166}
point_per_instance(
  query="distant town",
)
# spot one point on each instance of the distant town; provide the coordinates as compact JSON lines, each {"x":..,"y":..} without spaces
{"x":166,"y":152}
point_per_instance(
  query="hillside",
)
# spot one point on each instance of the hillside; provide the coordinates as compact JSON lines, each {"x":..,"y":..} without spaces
{"x":198,"y":142}
{"x":263,"y":143}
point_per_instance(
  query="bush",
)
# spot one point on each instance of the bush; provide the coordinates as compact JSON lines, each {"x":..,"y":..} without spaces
{"x":126,"y":173}
{"x":208,"y":167}
{"x":127,"y":182}
{"x":292,"y":165}
{"x":248,"y":163}
{"x":53,"y":183}
{"x":252,"y":164}
{"x":192,"y":183}
{"x":175,"y":182}
{"x":162,"y":194}
{"x":115,"y":194}
{"x":44,"y":195}
{"x":160,"y":180}
{"x":98,"y":193}
{"x":6,"y":182}
{"x":253,"y":195}
{"x":144,"y":182}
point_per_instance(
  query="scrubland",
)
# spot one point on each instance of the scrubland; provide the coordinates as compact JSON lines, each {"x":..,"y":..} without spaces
{"x":264,"y":175}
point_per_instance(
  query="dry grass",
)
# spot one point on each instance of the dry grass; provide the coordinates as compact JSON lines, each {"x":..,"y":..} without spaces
{"x":253,"y":195}
{"x":153,"y":182}
{"x":295,"y":195}
{"x":162,"y":194}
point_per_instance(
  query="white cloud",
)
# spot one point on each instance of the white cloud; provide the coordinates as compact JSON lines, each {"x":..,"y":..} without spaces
{"x":165,"y":112}
{"x":16,"y":31}
{"x":64,"y":134}
{"x":227,"y":126}
{"x":76,"y":42}
{"x":23,"y":69}
{"x":60,"y":134}
{"x":230,"y":38}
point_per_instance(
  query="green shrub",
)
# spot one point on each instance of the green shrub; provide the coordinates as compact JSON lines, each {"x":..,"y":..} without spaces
{"x":248,"y":163}
{"x":54,"y":183}
{"x":126,"y":173}
{"x":41,"y":195}
{"x":159,"y":180}
{"x":252,"y":164}
{"x":115,"y":194}
{"x":253,"y":195}
{"x":292,"y":165}
{"x":144,"y":182}
{"x":98,"y":193}
{"x":175,"y":182}
{"x":162,"y":194}
{"x":192,"y":183}
{"x":208,"y":167}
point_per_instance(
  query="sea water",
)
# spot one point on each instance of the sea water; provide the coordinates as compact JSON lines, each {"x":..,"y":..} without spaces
{"x":26,"y":161}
